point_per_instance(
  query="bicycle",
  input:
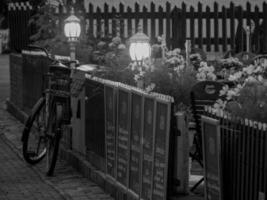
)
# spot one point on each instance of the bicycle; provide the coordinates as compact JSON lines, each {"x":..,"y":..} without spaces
{"x":43,"y":128}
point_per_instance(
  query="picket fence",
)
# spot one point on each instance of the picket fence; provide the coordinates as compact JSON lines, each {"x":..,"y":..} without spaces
{"x":212,"y":28}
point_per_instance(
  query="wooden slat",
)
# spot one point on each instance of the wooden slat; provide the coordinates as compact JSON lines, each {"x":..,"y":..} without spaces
{"x":248,"y":163}
{"x":224,"y":28}
{"x":252,"y":163}
{"x":184,"y":26}
{"x":240,"y":21}
{"x":145,"y":29}
{"x":160,"y":21}
{"x":248,"y":13}
{"x":257,"y":23}
{"x":200,"y":39}
{"x":121,"y":21}
{"x":98,"y":23}
{"x":264,"y":159}
{"x":91,"y":20}
{"x":129,"y":22}
{"x":265,"y":25}
{"x":257,"y":154}
{"x":192,"y":26}
{"x":208,"y":29}
{"x":248,"y":17}
{"x":232,"y":25}
{"x":114,"y":22}
{"x":175,"y":39}
{"x":239,"y":160}
{"x":137,"y":15}
{"x":168,"y":24}
{"x":243,"y":163}
{"x":106,"y":20}
{"x":153,"y":22}
{"x":216,"y":26}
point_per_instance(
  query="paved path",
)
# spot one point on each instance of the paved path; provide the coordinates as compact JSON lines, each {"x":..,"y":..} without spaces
{"x":19,"y":180}
{"x":4,"y":77}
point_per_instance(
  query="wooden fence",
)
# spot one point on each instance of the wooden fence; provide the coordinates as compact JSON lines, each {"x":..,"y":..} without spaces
{"x":212,"y":28}
{"x":244,"y":162}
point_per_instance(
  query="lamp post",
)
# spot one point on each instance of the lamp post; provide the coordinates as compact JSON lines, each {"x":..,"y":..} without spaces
{"x":72,"y":30}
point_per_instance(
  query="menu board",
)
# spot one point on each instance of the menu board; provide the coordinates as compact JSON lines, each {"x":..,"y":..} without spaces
{"x":110,"y":129}
{"x":161,"y":150}
{"x":211,"y":158}
{"x":123,"y":136}
{"x":147,"y":152}
{"x":135,"y":143}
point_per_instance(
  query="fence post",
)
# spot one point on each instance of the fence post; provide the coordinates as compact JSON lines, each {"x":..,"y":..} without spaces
{"x":264,"y":28}
{"x":177,"y":31}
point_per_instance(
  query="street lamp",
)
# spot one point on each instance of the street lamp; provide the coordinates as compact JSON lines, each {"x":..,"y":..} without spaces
{"x":72,"y":30}
{"x":140,"y":48}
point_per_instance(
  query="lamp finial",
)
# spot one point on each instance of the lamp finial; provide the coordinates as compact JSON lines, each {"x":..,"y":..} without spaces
{"x":72,"y":11}
{"x":139,"y":29}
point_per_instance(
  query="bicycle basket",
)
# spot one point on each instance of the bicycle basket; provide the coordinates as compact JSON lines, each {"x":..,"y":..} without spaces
{"x":60,"y":80}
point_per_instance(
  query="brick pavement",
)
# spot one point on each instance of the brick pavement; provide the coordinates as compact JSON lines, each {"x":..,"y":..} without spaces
{"x":18,"y":180}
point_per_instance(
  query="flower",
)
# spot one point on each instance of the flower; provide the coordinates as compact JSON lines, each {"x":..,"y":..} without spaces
{"x":150,"y":87}
{"x":205,"y":72}
{"x":121,"y":47}
{"x":116,"y":40}
{"x":235,"y":77}
{"x":101,"y":44}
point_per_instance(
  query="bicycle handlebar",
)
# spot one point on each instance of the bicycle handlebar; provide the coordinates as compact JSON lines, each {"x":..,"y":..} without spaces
{"x":53,"y":58}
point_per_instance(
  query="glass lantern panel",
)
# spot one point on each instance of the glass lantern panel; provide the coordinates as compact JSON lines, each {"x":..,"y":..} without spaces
{"x":139,"y":51}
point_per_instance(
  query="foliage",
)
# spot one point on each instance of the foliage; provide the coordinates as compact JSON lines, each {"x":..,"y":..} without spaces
{"x":247,"y":97}
{"x":49,"y":34}
{"x":168,"y":75}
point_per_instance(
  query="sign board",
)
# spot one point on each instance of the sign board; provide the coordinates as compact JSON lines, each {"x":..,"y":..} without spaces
{"x":161,"y":150}
{"x":135,"y":142}
{"x":110,"y":130}
{"x":123,"y":135}
{"x":148,"y":145}
{"x":212,"y":158}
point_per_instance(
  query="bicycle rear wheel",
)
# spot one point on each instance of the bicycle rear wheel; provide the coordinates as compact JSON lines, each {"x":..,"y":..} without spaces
{"x":33,"y":136}
{"x":54,"y":136}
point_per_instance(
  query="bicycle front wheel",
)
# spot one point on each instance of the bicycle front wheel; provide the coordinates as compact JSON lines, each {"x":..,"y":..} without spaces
{"x":54,"y":136}
{"x":33,"y":136}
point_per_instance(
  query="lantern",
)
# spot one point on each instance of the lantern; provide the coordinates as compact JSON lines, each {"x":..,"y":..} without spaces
{"x":72,"y":27}
{"x":140,"y":48}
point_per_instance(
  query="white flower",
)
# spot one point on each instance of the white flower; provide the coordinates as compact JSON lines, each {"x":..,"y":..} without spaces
{"x":249,"y":70}
{"x":251,"y":79}
{"x":224,"y":90}
{"x":235,"y":77}
{"x":151,"y":87}
{"x":219,"y":104}
{"x":121,"y":46}
{"x":260,"y":78}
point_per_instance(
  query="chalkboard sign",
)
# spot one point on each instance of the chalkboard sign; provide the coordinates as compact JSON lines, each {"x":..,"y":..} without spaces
{"x":123,"y":135}
{"x":161,"y":150}
{"x":135,"y":143}
{"x":212,"y":158}
{"x":148,"y":144}
{"x":110,"y":129}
